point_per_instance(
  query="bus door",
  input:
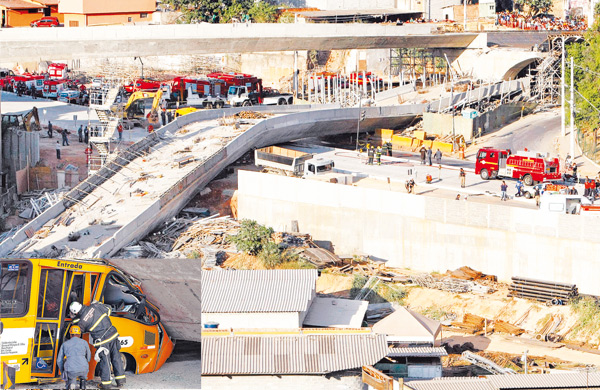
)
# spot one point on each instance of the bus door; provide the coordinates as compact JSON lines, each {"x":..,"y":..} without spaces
{"x":17,"y":326}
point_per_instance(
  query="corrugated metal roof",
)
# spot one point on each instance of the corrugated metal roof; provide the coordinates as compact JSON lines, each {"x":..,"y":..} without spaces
{"x":418,"y":352}
{"x":262,"y":291}
{"x":551,"y":381}
{"x":563,"y":381}
{"x":18,"y":4}
{"x":452,"y":384}
{"x":297,"y":354}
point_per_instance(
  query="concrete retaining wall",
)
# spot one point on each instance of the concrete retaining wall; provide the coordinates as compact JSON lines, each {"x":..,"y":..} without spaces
{"x":428,"y":233}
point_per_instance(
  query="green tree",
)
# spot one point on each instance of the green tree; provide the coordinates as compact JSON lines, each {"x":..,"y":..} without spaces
{"x":223,"y":11}
{"x":534,"y":7}
{"x":252,"y":237}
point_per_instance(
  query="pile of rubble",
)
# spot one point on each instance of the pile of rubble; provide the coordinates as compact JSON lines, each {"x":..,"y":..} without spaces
{"x":186,"y":237}
{"x":472,"y":323}
{"x":461,"y":280}
{"x":33,"y":203}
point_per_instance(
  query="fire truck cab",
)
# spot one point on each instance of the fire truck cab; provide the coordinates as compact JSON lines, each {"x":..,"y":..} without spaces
{"x":531,"y":167}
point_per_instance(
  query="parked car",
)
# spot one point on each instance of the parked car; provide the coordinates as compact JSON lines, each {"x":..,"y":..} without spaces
{"x":46,"y":21}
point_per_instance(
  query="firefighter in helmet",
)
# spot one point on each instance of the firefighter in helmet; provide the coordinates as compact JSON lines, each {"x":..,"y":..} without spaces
{"x":95,"y":319}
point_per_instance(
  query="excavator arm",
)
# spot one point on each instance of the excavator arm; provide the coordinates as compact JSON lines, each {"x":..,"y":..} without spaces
{"x":27,"y":120}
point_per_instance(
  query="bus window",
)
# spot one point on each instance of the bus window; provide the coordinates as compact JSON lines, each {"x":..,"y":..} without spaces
{"x":14,"y":289}
{"x":51,"y":288}
{"x":93,"y":286}
{"x":75,"y":291}
{"x":44,"y":347}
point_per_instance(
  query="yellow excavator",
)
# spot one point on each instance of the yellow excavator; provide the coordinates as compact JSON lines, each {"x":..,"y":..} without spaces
{"x":142,"y":109}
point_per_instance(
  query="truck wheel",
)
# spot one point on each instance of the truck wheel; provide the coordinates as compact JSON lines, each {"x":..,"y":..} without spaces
{"x":208,"y":105}
{"x":528,"y":180}
{"x":246,"y":103}
{"x":281,"y":102}
{"x":290,"y":101}
{"x":494,"y":175}
{"x":219,"y":104}
{"x":527,"y":195}
{"x":485,"y":174}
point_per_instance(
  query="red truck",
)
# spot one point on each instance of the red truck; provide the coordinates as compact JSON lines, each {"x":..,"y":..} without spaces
{"x":247,"y":90}
{"x":199,"y":91}
{"x":531,"y":167}
{"x":147,"y":85}
{"x":58,"y":71}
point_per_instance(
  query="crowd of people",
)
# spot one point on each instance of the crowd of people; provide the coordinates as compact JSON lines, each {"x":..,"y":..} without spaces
{"x":543,"y":22}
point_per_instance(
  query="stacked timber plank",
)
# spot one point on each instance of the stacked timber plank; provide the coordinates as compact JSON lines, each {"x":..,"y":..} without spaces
{"x":505,"y":327}
{"x":543,"y":291}
{"x":471,"y":323}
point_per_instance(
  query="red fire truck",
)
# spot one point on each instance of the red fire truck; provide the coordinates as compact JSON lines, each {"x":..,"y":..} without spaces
{"x":529,"y":166}
{"x":247,"y":90}
{"x":58,"y":70}
{"x":147,"y":85}
{"x":199,"y":92}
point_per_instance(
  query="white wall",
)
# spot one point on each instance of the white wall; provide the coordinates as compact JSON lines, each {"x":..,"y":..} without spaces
{"x":428,"y":233}
{"x":351,"y":4}
{"x":254,"y":320}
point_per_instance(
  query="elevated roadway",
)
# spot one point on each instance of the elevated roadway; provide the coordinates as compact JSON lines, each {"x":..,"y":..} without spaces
{"x":29,"y":44}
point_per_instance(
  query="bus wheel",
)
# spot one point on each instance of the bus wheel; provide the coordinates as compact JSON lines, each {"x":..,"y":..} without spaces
{"x":528,"y":180}
{"x":485,"y":174}
{"x":219,"y":104}
{"x":128,"y":362}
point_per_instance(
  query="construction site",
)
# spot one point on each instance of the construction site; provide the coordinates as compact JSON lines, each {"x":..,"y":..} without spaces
{"x":246,"y":222}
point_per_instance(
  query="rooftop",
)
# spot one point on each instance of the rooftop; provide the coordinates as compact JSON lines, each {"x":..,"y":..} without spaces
{"x":258,"y":291}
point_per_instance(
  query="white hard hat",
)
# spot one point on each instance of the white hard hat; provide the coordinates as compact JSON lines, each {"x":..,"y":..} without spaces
{"x":75,"y":307}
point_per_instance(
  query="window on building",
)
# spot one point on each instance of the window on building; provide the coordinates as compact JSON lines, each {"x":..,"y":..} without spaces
{"x":143,"y":15}
{"x":73,"y":23}
{"x":129,"y":19}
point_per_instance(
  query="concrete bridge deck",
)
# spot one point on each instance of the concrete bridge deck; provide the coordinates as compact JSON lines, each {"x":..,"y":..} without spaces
{"x":27,"y":44}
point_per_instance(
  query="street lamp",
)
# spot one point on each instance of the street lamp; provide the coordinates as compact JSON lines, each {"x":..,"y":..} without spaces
{"x":140,"y":58}
{"x":453,"y":113}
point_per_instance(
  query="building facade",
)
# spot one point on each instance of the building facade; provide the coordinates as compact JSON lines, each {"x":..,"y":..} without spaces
{"x":20,"y":13}
{"x":81,"y":13}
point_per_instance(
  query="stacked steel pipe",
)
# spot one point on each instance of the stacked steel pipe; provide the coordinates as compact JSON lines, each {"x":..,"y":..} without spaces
{"x":540,"y":290}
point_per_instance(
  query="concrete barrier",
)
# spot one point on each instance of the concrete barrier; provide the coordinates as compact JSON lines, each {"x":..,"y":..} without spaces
{"x":429,"y":233}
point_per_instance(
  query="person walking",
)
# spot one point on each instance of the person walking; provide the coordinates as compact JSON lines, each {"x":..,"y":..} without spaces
{"x":503,"y":189}
{"x":370,"y":155}
{"x":463,"y":177}
{"x":519,"y":187}
{"x":49,"y":129}
{"x":423,"y":152}
{"x":86,"y":135}
{"x":57,"y":146}
{"x":536,"y":195}
{"x":378,"y":155}
{"x":65,"y":140}
{"x":390,"y":148}
{"x":429,"y":153}
{"x":438,"y":157}
{"x":80,"y":133}
{"x":170,"y":116}
{"x":73,"y":358}
{"x":95,"y":319}
{"x":120,"y":131}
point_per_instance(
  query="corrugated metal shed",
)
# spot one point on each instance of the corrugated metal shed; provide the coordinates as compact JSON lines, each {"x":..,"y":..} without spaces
{"x":262,"y":291}
{"x":452,"y":384}
{"x":286,"y":355}
{"x":417,"y":352}
{"x":549,"y":381}
{"x":563,"y":381}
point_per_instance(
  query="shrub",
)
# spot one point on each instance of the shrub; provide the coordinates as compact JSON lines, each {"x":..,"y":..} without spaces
{"x":251,"y":237}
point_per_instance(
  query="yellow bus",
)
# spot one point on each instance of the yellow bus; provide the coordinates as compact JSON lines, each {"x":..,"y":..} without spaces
{"x":35,"y":295}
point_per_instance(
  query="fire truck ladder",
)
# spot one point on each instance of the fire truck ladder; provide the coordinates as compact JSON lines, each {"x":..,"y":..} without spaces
{"x":486,"y":364}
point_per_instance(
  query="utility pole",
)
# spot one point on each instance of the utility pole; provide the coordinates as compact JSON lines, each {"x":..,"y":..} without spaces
{"x":563,"y":128}
{"x":453,"y":114}
{"x":465,"y":16}
{"x":359,"y":117}
{"x":572,"y":117}
{"x":524,"y":360}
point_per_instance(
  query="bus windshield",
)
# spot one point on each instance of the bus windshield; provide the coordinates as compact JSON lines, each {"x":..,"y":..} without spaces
{"x":14,"y":288}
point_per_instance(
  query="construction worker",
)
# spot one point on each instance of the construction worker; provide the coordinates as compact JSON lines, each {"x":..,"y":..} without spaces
{"x":57,"y":147}
{"x":80,"y":133}
{"x":95,"y":319}
{"x":77,"y":353}
{"x":423,"y":152}
{"x":49,"y":129}
{"x":86,"y":135}
{"x":438,"y":157}
{"x":378,"y":155}
{"x":389,"y":148}
{"x":463,"y":176}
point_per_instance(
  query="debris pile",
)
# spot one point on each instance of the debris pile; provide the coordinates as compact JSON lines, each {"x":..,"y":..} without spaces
{"x":184,"y":237}
{"x":450,"y":284}
{"x":33,"y":203}
{"x":367,"y":267}
{"x":250,"y":115}
{"x":543,"y":291}
{"x":475,"y":324}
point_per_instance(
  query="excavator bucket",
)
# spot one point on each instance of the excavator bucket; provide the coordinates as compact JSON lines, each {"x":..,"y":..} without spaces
{"x":174,"y":286}
{"x":29,"y":124}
